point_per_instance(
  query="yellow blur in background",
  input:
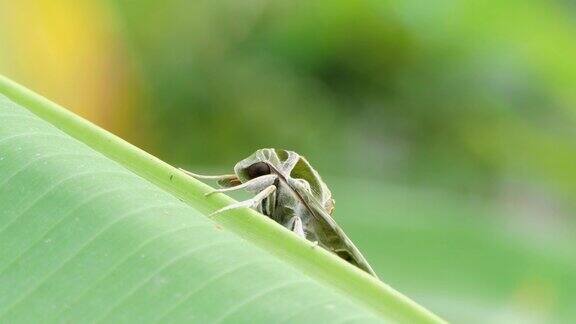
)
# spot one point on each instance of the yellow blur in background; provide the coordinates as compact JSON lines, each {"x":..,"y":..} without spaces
{"x":71,"y":52}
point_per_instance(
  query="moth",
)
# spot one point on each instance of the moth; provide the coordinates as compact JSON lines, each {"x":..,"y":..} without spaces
{"x":288,"y":190}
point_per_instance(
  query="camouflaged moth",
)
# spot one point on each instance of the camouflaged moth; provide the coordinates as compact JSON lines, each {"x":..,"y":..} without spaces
{"x":288,"y":190}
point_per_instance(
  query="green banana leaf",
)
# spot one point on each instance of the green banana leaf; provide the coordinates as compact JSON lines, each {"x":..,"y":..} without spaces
{"x":93,"y":229}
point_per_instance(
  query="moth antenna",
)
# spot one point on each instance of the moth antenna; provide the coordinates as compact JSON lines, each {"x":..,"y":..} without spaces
{"x":207,"y":177}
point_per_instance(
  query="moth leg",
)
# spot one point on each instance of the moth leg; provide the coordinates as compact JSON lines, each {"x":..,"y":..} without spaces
{"x":225,"y":180}
{"x":295,"y":225}
{"x":254,"y":185}
{"x":250,"y":203}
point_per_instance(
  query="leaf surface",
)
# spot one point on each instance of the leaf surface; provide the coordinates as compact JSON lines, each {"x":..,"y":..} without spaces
{"x":93,"y":229}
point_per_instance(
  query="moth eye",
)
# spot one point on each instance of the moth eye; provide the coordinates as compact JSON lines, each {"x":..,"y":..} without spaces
{"x":258,"y":169}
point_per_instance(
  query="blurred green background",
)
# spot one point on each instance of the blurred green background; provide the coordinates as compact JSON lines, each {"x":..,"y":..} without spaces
{"x":445,"y":128}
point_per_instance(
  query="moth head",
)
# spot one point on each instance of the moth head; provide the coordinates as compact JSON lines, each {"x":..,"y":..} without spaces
{"x":257,"y":169}
{"x":262,"y":162}
{"x":266,"y":161}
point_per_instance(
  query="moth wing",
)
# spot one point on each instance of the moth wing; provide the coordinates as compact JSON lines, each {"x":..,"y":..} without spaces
{"x":346,"y":249}
{"x":329,"y":233}
{"x":303,"y":170}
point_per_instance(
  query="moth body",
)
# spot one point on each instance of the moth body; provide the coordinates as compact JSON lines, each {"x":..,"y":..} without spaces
{"x":288,"y":190}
